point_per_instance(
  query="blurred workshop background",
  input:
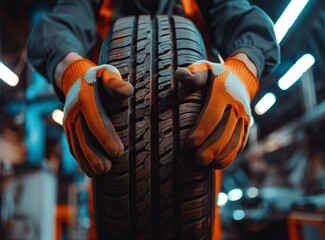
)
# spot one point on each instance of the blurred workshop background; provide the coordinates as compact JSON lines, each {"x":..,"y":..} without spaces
{"x":274,"y":190}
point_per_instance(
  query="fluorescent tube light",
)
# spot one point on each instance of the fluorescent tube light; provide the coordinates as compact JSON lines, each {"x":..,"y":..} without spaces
{"x":8,"y":76}
{"x":238,"y":214}
{"x":265,"y":103}
{"x":252,"y":192}
{"x":57,"y":116}
{"x":235,"y":194}
{"x":222,"y":199}
{"x":296,"y":71}
{"x":288,"y":17}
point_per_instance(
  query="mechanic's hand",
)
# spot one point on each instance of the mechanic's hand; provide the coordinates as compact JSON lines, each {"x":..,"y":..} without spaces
{"x":222,"y":127}
{"x":90,"y":133}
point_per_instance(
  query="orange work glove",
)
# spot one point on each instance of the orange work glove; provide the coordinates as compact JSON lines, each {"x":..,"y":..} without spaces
{"x":221,"y":129}
{"x":90,"y":133}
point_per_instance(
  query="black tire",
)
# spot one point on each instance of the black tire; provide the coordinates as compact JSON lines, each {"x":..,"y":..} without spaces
{"x":154,"y":190}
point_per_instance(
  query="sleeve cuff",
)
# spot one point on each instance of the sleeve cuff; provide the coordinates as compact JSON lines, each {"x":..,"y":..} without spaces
{"x":255,"y":55}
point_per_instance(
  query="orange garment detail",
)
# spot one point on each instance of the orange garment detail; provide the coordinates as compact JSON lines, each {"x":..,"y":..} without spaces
{"x":104,"y":24}
{"x":192,"y":11}
{"x":104,"y":18}
{"x":216,"y":233}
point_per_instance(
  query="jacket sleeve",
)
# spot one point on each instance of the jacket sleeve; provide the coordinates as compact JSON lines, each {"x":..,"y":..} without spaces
{"x":237,"y":26}
{"x":69,"y":27}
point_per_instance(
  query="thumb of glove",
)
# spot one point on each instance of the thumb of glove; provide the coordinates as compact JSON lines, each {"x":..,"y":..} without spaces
{"x":114,"y":85}
{"x":195,"y":80}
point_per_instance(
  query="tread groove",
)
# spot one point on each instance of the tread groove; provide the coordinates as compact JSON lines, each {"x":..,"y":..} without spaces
{"x":154,"y":131}
{"x":176,"y":135}
{"x":131,"y":150}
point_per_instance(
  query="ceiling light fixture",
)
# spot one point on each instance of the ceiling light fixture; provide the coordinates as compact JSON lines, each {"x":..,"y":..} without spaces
{"x":296,"y":71}
{"x":8,"y":76}
{"x":235,"y":194}
{"x":265,"y":103}
{"x":222,"y":199}
{"x":57,"y":116}
{"x":288,"y":17}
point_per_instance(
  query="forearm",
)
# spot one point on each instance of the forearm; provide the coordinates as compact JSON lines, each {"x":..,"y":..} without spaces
{"x":69,"y":27}
{"x":237,"y":26}
{"x":62,"y":66}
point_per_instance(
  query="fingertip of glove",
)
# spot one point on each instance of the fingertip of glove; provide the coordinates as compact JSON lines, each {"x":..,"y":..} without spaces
{"x":119,"y":89}
{"x":100,"y":166}
{"x":117,"y":150}
{"x":222,"y":163}
{"x":107,"y":165}
{"x":203,"y":158}
{"x":90,"y":174}
{"x":120,"y":151}
{"x":195,"y":80}
{"x":193,"y":141}
{"x":129,"y":89}
{"x":183,"y":74}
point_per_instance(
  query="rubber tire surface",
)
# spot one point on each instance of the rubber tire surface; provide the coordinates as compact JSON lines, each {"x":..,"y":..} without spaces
{"x":154,"y":190}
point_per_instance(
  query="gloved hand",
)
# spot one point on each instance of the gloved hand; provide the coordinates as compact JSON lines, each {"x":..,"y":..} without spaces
{"x":91,"y":136}
{"x":222,"y":127}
